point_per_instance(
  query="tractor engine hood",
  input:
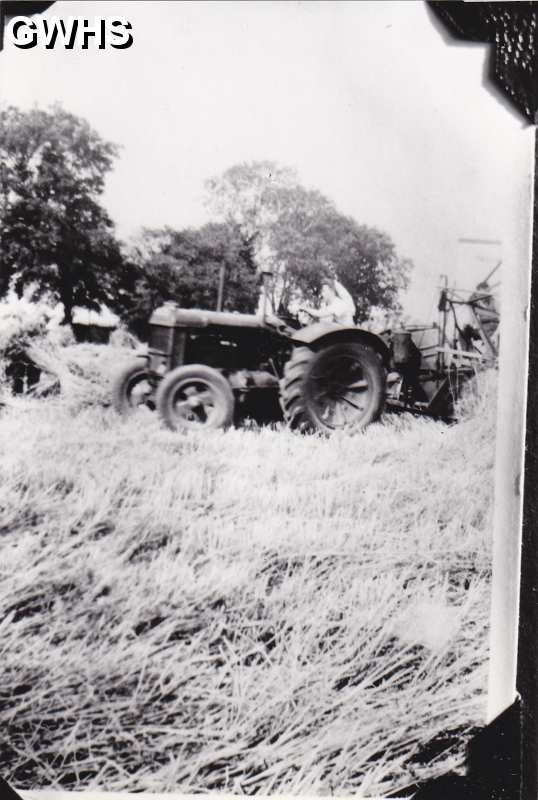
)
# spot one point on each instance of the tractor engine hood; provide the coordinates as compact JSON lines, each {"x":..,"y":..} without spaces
{"x":172,"y":316}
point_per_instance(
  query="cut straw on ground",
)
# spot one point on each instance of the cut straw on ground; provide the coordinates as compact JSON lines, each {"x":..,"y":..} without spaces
{"x":249,"y":611}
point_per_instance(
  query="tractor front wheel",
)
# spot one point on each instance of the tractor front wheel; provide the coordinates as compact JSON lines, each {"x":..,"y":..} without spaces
{"x":337,"y":387}
{"x":197,"y":396}
{"x":133,"y":387}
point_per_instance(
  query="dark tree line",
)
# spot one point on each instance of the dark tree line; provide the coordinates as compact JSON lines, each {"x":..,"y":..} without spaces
{"x":57,"y":237}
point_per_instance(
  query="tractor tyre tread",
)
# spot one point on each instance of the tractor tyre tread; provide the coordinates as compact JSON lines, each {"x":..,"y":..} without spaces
{"x":291,"y":390}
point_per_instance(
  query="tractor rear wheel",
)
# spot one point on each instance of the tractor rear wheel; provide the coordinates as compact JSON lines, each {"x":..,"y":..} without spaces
{"x":196,"y":396}
{"x":338,"y":387}
{"x":133,"y":387}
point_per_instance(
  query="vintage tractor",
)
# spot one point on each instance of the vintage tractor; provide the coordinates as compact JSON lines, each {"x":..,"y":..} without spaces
{"x":202,"y":367}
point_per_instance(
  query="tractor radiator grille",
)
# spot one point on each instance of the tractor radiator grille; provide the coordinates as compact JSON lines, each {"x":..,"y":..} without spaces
{"x":161,"y":338}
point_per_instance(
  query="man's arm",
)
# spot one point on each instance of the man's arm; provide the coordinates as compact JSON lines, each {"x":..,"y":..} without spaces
{"x":330,"y":310}
{"x":313,"y":312}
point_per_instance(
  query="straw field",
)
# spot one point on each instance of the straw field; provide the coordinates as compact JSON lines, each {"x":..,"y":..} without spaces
{"x":251,"y":611}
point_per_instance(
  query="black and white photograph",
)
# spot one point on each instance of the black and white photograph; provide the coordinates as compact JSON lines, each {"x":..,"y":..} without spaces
{"x":264,"y":292}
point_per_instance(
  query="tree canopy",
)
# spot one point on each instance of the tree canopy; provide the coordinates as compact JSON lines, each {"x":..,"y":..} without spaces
{"x":300,"y":236}
{"x":56,"y":235}
{"x":184,"y":266}
{"x":54,"y":232}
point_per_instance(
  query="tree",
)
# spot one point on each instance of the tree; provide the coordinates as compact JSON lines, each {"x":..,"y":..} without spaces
{"x":300,"y":236}
{"x":54,"y":232}
{"x":184,"y":266}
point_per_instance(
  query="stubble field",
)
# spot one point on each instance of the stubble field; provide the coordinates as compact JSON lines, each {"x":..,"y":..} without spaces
{"x":250,"y":611}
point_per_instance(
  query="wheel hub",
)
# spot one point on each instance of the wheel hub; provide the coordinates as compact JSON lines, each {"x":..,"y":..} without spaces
{"x":193,"y":401}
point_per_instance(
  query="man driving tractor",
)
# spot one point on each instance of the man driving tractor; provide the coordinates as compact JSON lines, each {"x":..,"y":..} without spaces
{"x":338,"y":305}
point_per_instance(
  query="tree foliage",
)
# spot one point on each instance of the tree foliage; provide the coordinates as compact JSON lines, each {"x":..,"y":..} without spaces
{"x":301,"y":237}
{"x":54,"y":232}
{"x":184,"y":266}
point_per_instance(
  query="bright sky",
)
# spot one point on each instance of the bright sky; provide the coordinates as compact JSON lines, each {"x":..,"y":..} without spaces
{"x":369,"y":101}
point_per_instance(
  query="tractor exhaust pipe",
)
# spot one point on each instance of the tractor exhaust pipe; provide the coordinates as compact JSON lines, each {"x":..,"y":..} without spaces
{"x":220,"y":296}
{"x":266,"y":276}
